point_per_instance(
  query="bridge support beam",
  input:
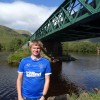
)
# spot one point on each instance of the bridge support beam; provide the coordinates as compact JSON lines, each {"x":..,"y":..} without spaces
{"x":53,"y":48}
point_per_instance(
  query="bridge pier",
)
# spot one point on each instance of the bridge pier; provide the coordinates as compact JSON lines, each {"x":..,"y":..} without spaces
{"x":53,"y":48}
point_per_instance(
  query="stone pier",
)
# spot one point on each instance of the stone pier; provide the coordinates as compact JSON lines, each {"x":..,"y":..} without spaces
{"x":53,"y":48}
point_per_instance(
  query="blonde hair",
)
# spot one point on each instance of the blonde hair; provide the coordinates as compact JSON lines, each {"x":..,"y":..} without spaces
{"x":35,"y":42}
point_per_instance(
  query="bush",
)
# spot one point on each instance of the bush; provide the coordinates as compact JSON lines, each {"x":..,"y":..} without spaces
{"x":84,"y":47}
{"x":1,"y":47}
{"x":15,"y":44}
{"x":15,"y":58}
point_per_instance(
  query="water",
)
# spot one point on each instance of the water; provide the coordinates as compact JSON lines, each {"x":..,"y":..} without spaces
{"x":67,"y":77}
{"x":8,"y":77}
{"x":85,"y":72}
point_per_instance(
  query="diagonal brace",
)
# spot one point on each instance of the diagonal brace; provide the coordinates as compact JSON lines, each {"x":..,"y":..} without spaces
{"x":88,"y":7}
{"x":69,"y":17}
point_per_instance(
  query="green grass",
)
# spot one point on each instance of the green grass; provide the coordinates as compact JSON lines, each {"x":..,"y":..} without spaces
{"x":15,"y":57}
{"x":84,"y":96}
{"x":7,"y":35}
{"x":83,"y":47}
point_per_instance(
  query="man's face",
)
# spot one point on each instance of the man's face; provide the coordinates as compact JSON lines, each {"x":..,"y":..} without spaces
{"x":35,"y":50}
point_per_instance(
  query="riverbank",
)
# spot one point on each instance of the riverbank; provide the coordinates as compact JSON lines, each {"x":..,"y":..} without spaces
{"x":95,"y":95}
{"x":81,"y":47}
{"x":14,"y":58}
{"x":78,"y":47}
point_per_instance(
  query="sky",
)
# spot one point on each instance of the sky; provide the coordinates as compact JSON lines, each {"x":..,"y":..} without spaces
{"x":26,"y":15}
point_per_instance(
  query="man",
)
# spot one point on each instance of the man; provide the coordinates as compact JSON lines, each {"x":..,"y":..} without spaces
{"x":33,"y":74}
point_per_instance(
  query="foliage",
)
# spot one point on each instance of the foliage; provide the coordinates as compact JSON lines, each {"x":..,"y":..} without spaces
{"x":85,"y":96}
{"x":1,"y":47}
{"x":7,"y":38}
{"x":15,"y":44}
{"x":84,"y":47}
{"x":15,"y":57}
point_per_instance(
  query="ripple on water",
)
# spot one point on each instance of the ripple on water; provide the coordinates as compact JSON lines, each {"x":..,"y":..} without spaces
{"x":8,"y":94}
{"x":8,"y":77}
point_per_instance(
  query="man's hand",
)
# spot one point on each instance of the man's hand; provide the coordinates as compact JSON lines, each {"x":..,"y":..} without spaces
{"x":42,"y":98}
{"x":20,"y":98}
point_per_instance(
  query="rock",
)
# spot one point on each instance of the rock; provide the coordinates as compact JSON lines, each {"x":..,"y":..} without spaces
{"x":97,"y":90}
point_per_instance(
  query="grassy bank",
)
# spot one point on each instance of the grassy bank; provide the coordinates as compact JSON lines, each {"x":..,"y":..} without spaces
{"x":14,"y":58}
{"x":85,"y":96}
{"x":80,"y":47}
{"x":82,"y":96}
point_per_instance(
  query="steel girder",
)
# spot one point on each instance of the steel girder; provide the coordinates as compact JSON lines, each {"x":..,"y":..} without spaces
{"x":68,"y":14}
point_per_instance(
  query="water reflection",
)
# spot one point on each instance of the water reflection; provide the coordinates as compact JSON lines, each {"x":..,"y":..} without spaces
{"x":59,"y":85}
{"x":85,"y":72}
{"x":7,"y":80}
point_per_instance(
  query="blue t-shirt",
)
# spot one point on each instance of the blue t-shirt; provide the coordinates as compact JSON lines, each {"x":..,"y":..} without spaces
{"x":34,"y":72}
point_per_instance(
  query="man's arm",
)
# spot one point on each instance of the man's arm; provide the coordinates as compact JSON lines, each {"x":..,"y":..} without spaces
{"x":46,"y":86}
{"x":19,"y":82}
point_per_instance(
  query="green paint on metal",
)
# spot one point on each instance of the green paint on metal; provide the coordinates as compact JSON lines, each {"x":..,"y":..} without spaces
{"x":88,"y":7}
{"x":98,"y":5}
{"x":68,"y":13}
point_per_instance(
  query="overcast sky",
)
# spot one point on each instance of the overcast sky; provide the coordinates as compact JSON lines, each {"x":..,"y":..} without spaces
{"x":26,"y":14}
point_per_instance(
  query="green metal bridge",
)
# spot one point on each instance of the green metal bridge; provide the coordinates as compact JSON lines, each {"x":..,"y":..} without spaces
{"x":73,"y":20}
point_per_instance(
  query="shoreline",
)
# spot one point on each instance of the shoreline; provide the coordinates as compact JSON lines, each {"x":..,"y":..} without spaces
{"x":84,"y":95}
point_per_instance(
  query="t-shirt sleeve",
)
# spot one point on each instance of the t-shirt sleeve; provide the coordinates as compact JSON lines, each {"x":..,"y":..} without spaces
{"x":21,"y":66}
{"x":48,"y":69}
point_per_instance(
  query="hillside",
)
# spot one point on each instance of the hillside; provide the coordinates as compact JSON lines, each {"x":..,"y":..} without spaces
{"x":95,"y":39}
{"x":24,"y":32}
{"x":7,"y":35}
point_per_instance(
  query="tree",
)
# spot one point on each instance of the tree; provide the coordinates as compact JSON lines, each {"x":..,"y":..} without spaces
{"x":1,"y":47}
{"x":15,"y":44}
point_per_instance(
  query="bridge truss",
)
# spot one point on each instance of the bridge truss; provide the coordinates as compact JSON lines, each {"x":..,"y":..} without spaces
{"x":73,"y":20}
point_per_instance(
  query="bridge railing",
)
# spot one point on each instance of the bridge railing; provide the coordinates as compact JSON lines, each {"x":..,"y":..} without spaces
{"x":70,"y":12}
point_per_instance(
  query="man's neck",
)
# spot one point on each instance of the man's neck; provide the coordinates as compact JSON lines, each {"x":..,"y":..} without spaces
{"x":35,"y":57}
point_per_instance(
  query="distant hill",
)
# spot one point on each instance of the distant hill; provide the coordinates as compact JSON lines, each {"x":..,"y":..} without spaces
{"x":7,"y":35}
{"x":92,"y":40}
{"x":95,"y":39}
{"x":24,"y":32}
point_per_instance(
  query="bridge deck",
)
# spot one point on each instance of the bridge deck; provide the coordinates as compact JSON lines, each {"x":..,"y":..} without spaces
{"x":73,"y":20}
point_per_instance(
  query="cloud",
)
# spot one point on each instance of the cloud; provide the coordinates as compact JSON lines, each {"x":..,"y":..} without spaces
{"x":25,"y":16}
